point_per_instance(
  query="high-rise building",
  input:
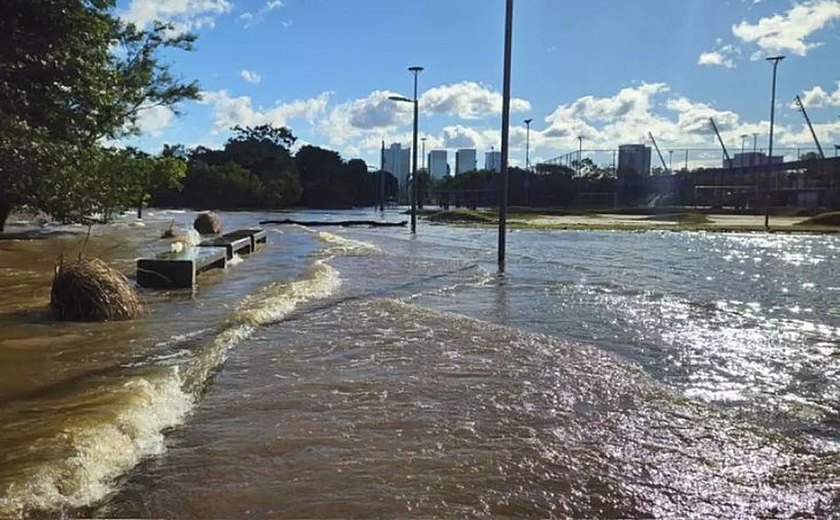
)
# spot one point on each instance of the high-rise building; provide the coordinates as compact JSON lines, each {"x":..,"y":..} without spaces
{"x":493,"y":161}
{"x":438,"y":167}
{"x":465,"y":160}
{"x":396,"y":160}
{"x":634,"y":157}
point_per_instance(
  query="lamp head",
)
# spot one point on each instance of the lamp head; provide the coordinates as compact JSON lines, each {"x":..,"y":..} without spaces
{"x":775,"y":58}
{"x":528,"y":121}
{"x":415,"y":69}
{"x":400,"y":98}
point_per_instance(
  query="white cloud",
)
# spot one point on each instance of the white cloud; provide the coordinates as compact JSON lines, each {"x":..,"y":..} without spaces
{"x":231,"y":111}
{"x":789,"y":32}
{"x":153,"y":120}
{"x":250,"y":76}
{"x":721,"y":57}
{"x":467,"y":100}
{"x":817,"y":97}
{"x":258,"y":16}
{"x":465,"y":137}
{"x":693,"y":117}
{"x":186,"y":15}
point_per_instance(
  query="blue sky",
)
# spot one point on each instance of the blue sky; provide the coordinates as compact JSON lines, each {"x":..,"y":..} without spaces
{"x":608,"y":70}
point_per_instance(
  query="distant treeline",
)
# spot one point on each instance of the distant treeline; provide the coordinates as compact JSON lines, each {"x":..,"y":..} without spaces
{"x":256,"y":169}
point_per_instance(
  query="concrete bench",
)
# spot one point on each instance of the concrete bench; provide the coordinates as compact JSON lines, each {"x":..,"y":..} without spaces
{"x":178,"y":270}
{"x":232,"y":244}
{"x":256,"y":236}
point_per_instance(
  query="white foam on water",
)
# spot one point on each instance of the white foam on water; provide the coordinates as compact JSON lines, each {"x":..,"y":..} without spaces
{"x":236,"y":260}
{"x":107,"y":439}
{"x":339,"y":244}
{"x":127,"y":423}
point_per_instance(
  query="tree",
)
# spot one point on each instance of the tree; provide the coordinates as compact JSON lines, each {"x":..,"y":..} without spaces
{"x":264,"y":152}
{"x":71,"y":74}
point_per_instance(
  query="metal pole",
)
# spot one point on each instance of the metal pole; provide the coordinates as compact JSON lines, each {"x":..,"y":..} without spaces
{"x":755,"y":148}
{"x":382,"y":179}
{"x":527,"y":160}
{"x":416,"y":71}
{"x":580,"y":153}
{"x":671,"y":162}
{"x":505,"y":135}
{"x":686,"y":159}
{"x":775,"y":60}
{"x":423,"y":152}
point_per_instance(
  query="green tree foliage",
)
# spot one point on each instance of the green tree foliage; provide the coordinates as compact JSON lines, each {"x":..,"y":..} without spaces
{"x":262,"y":152}
{"x":221,"y":186}
{"x":71,"y":74}
{"x":329,"y":182}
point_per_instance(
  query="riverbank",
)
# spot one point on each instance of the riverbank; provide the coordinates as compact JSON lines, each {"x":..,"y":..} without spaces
{"x":678,"y":221}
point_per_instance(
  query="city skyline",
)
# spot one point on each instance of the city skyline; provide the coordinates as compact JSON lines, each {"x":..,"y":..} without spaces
{"x":576,"y":71}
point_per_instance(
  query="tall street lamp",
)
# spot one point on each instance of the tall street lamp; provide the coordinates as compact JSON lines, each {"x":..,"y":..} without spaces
{"x":527,"y":159}
{"x":775,"y":60}
{"x":413,"y":189}
{"x":500,"y":261}
{"x":580,"y":153}
{"x":744,"y":138}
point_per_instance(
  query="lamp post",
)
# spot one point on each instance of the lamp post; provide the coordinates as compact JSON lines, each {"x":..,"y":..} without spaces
{"x":670,"y":162}
{"x":744,"y":138}
{"x":413,"y":188}
{"x":527,"y":159}
{"x":775,"y":61}
{"x":580,"y":153}
{"x":505,"y":134}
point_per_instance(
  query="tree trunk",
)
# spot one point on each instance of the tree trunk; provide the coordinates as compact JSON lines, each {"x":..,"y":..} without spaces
{"x":5,"y":210}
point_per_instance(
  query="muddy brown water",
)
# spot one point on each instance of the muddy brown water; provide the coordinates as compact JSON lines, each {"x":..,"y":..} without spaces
{"x":364,"y":373}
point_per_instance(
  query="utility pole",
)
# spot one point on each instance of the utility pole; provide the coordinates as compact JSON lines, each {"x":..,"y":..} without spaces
{"x":527,"y":160}
{"x":775,"y":60}
{"x":580,"y":153}
{"x":505,"y":134}
{"x":382,"y":179}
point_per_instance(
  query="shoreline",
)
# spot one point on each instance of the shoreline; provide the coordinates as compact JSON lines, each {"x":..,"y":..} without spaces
{"x":717,"y":223}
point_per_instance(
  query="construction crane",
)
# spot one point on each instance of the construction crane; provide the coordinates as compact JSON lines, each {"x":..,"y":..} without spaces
{"x":808,"y":120}
{"x":664,"y":166}
{"x":720,"y":140}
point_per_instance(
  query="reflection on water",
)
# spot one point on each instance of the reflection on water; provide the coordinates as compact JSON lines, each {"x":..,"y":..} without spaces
{"x":370,"y":373}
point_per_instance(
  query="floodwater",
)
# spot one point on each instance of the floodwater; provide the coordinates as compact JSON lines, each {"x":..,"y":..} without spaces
{"x":366,"y":373}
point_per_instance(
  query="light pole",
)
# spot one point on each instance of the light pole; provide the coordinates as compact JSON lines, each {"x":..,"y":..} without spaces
{"x":671,"y":162}
{"x":527,"y":159}
{"x":413,"y":188}
{"x":580,"y":153}
{"x":775,"y":60}
{"x":744,"y":138}
{"x":423,"y":151}
{"x":505,"y":134}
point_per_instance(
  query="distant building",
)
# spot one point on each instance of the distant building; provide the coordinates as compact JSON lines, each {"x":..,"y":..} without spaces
{"x":634,"y":157}
{"x":438,"y":167}
{"x":397,"y":161}
{"x":493,"y":161}
{"x":465,"y":161}
{"x":741,"y":160}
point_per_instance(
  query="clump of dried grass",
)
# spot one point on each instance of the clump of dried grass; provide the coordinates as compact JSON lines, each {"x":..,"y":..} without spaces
{"x":90,"y":290}
{"x":207,"y":223}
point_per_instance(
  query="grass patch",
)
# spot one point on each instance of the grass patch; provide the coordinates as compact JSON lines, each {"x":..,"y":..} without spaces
{"x":831,"y":218}
{"x":683,"y":218}
{"x":461,"y":216}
